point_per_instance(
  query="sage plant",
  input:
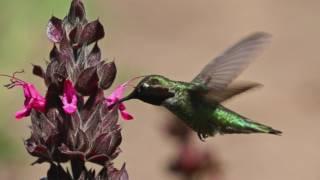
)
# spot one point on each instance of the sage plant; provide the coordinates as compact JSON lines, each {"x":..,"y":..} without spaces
{"x":73,"y":122}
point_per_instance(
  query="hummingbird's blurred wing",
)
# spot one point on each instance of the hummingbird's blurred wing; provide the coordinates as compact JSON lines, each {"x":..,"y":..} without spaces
{"x":231,"y":91}
{"x":222,"y":70}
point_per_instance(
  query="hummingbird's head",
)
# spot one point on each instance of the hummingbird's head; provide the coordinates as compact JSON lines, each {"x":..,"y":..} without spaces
{"x":153,"y":89}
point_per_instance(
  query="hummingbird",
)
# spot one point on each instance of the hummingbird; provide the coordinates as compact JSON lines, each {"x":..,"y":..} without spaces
{"x":199,"y":103}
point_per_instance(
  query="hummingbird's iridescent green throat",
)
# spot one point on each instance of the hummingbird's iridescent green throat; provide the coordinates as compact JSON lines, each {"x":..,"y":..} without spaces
{"x":198,"y":103}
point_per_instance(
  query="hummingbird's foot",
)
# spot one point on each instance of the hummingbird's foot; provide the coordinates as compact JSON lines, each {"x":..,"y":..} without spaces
{"x":202,"y":136}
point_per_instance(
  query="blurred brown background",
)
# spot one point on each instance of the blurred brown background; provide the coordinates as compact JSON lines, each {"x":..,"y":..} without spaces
{"x":177,"y":38}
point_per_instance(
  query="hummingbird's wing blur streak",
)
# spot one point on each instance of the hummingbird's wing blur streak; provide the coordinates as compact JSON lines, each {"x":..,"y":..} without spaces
{"x":231,"y":91}
{"x":222,"y":70}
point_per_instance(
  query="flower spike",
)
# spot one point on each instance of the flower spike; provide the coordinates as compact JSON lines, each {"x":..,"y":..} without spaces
{"x":71,"y":123}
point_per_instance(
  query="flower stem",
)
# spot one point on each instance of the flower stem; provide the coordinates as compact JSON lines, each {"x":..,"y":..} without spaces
{"x":77,"y":167}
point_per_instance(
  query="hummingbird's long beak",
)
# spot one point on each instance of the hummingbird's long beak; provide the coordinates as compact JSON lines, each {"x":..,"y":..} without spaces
{"x":130,"y":96}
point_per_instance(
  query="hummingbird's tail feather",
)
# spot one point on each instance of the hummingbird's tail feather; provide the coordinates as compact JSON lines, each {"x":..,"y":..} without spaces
{"x":275,"y":132}
{"x":248,"y":127}
{"x":231,"y":122}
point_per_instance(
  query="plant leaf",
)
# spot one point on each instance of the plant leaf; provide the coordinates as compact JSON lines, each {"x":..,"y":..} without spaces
{"x":55,"y":30}
{"x":77,"y":12}
{"x":107,"y":73}
{"x":92,"y":32}
{"x":38,"y":71}
{"x":87,"y":82}
{"x":94,"y":56}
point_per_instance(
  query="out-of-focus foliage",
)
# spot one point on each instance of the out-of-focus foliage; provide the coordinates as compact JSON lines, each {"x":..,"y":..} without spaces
{"x":8,"y":150}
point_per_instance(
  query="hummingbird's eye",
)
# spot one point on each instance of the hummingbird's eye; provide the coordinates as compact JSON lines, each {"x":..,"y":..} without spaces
{"x":145,"y":85}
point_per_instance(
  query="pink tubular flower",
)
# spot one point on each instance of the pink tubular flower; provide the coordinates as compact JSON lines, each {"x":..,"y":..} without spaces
{"x":115,"y":96}
{"x":33,"y":100}
{"x":69,"y":98}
